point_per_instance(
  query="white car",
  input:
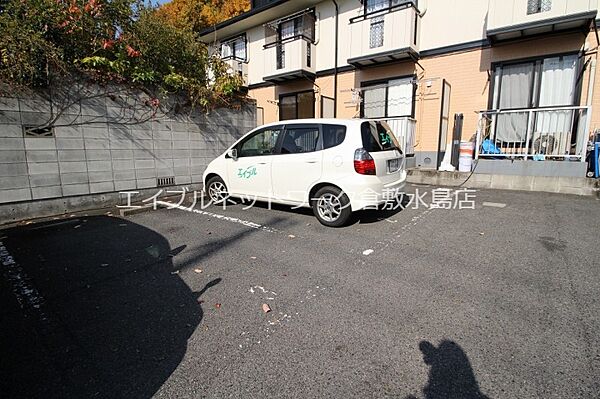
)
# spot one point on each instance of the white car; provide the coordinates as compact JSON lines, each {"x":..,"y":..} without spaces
{"x":334,"y":166}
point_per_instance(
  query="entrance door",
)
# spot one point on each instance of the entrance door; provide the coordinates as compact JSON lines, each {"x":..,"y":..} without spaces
{"x":250,"y":173}
{"x":298,"y":167}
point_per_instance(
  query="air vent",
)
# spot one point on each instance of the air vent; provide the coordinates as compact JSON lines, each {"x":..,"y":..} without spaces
{"x":165,"y":181}
{"x":35,"y":131}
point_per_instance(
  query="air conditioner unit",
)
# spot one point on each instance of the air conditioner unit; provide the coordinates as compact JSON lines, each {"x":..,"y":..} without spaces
{"x":239,"y":67}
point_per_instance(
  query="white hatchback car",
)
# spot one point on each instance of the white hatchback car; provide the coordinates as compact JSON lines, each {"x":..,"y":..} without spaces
{"x":334,"y":166}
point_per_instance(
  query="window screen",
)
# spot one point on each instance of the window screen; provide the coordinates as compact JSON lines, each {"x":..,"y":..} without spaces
{"x":374,"y":102}
{"x":400,"y":97}
{"x":393,"y":98}
{"x":261,"y":143}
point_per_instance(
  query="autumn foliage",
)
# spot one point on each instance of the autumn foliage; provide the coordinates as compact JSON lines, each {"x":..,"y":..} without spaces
{"x":200,"y":14}
{"x":45,"y":43}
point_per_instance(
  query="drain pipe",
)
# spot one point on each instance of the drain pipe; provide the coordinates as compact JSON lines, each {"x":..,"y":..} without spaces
{"x":335,"y":67}
{"x":591,"y":82}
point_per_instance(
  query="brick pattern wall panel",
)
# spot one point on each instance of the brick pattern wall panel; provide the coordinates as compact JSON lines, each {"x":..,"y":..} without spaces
{"x":90,"y":158}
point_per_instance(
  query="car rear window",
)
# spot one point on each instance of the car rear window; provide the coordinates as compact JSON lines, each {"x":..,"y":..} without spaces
{"x":333,"y":135}
{"x":377,"y":136}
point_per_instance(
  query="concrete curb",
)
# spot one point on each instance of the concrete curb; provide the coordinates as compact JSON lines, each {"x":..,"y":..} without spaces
{"x":13,"y":214}
{"x":548,"y":184}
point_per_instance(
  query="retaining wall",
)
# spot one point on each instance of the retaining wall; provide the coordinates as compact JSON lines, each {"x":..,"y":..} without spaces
{"x":79,"y":167}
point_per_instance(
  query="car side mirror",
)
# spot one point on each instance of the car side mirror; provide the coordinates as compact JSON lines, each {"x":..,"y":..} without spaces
{"x":232,"y":153}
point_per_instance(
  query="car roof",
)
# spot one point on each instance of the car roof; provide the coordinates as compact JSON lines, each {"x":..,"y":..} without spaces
{"x":331,"y":121}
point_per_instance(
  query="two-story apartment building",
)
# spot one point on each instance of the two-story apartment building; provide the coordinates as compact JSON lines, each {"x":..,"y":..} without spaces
{"x":521,"y":72}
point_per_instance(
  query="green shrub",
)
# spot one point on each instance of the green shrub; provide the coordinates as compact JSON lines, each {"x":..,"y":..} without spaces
{"x":45,"y":42}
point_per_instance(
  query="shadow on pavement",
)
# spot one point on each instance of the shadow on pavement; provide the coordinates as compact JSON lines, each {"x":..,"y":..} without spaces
{"x":115,"y":318}
{"x":362,"y":217}
{"x":383,"y":211}
{"x":451,"y":375}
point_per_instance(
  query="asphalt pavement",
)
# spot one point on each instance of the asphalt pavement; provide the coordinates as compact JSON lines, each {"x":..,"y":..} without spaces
{"x":499,"y":301}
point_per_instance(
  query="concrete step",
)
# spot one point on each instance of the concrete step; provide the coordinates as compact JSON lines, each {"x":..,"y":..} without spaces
{"x":549,"y":184}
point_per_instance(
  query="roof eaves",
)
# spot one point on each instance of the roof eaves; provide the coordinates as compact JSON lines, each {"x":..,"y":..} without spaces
{"x":241,"y":17}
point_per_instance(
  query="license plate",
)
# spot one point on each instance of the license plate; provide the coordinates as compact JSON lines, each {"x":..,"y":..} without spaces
{"x":393,"y":165}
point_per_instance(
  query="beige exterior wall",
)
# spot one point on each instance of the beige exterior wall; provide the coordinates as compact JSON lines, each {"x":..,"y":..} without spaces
{"x":466,"y":71}
{"x":448,"y":22}
{"x":503,"y":13}
{"x":440,"y":25}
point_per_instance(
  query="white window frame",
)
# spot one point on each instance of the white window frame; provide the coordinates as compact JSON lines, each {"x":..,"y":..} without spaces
{"x":232,"y":52}
{"x":385,"y":86}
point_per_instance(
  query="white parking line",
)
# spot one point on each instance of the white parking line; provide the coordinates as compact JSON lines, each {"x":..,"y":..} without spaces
{"x":224,"y":218}
{"x":494,"y":204}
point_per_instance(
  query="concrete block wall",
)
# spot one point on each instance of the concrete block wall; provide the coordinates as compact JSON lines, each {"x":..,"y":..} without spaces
{"x":94,"y":158}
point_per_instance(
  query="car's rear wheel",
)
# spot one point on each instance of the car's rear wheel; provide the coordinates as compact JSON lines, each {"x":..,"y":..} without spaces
{"x":217,"y":190}
{"x":331,"y":206}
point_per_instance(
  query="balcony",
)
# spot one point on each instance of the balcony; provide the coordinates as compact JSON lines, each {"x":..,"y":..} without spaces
{"x":383,"y":36}
{"x":239,"y":67}
{"x":289,"y":60}
{"x":539,"y":134}
{"x":512,"y":19}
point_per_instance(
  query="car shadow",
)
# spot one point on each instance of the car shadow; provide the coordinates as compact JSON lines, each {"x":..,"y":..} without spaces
{"x":108,"y":315}
{"x":450,"y":375}
{"x":382,"y":212}
{"x":361,"y":217}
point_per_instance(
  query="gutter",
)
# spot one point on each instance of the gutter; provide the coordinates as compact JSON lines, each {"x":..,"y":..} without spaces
{"x":335,"y":67}
{"x":240,"y":17}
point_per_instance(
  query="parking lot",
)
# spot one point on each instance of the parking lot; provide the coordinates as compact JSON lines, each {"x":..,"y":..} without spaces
{"x":500,"y":301}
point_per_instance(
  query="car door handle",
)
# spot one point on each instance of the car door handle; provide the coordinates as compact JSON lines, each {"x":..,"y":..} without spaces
{"x":262,"y":163}
{"x":311,"y":161}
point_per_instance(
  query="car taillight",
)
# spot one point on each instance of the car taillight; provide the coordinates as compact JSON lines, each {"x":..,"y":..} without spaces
{"x":363,"y":162}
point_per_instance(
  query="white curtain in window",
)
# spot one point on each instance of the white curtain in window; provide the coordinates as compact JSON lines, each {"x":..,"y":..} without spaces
{"x":374,"y":102}
{"x":557,"y":88}
{"x":400,"y":97}
{"x":240,"y":49}
{"x":515,"y":92}
{"x":226,"y":50}
{"x":558,"y":81}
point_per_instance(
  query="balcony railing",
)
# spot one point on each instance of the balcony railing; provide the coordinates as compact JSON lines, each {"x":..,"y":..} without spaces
{"x":390,"y":34}
{"x":553,"y":133}
{"x":508,"y":19}
{"x":289,"y":60}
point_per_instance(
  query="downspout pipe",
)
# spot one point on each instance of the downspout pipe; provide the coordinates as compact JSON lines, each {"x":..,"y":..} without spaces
{"x":335,"y":67}
{"x":592,"y":81}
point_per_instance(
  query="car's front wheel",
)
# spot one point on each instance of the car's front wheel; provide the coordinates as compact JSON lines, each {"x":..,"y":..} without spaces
{"x":217,"y":190}
{"x":331,"y":206}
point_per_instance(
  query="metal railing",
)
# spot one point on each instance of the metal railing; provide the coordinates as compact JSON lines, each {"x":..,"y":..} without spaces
{"x":404,"y":128}
{"x":556,"y":133}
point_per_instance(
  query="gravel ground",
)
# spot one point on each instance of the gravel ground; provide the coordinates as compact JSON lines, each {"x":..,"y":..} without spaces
{"x":496,"y":302}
